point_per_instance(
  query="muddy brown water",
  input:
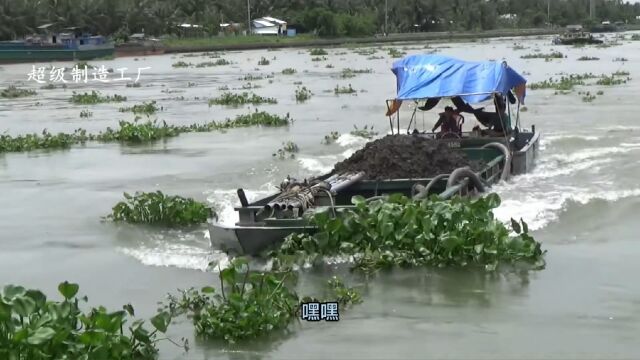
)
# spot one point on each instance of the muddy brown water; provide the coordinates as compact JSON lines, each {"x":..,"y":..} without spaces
{"x":582,"y":202}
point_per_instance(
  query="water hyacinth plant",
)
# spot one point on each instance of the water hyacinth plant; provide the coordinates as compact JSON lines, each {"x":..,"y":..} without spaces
{"x":250,"y":304}
{"x":35,"y":328}
{"x":398,"y":231}
{"x":86,"y":113}
{"x":349,"y":73}
{"x":331,"y":138}
{"x":13,"y":92}
{"x":95,"y":98}
{"x":287,"y":151}
{"x":289,"y":71}
{"x":303,"y":94}
{"x":45,"y":140}
{"x":146,"y":108}
{"x":264,"y":61}
{"x":344,"y":90}
{"x":318,"y":52}
{"x":231,"y":99}
{"x":551,"y":55}
{"x":156,"y":208}
{"x":365,"y":132}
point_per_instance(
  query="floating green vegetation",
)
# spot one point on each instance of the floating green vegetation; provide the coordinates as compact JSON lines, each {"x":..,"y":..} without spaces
{"x":251,"y":77}
{"x":552,"y":55}
{"x":564,"y":83}
{"x":181,"y":64}
{"x":46,"y":140}
{"x":395,"y":53}
{"x":620,"y":59}
{"x":297,"y":83}
{"x":600,"y":92}
{"x":621,"y":73}
{"x":231,"y":99}
{"x":324,"y":58}
{"x":331,"y":138}
{"x":13,"y":92}
{"x":156,"y":208}
{"x":287,"y":151}
{"x":588,"y":58}
{"x":86,"y":113}
{"x":635,"y":37}
{"x":264,"y":61}
{"x":365,"y":132}
{"x":289,"y":71}
{"x":365,"y":51}
{"x":134,"y":85}
{"x":349,"y":73}
{"x":303,"y":94}
{"x":95,"y":98}
{"x":524,"y":109}
{"x":329,"y":66}
{"x":375,"y":57}
{"x":518,"y":47}
{"x":318,"y":52}
{"x":146,"y":108}
{"x":138,"y":132}
{"x":49,"y":86}
{"x":250,"y":304}
{"x":344,"y":90}
{"x":257,"y":118}
{"x":34,"y":327}
{"x":610,"y":81}
{"x":219,"y":62}
{"x":587,"y":96}
{"x":397,"y":231}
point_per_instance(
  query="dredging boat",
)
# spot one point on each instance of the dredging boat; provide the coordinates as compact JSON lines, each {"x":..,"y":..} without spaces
{"x":71,"y":45}
{"x":448,"y":163}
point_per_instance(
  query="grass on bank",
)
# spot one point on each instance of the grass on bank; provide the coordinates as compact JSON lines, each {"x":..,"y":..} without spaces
{"x":235,"y":40}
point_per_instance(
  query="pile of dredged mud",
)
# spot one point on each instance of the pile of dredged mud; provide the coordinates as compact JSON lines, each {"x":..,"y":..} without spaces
{"x":405,"y":157}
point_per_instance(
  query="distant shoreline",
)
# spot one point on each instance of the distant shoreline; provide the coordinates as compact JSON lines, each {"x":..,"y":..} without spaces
{"x":254,"y":43}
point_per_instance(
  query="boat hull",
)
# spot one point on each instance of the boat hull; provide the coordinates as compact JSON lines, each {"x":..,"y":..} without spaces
{"x":251,"y":236}
{"x":33,"y":55}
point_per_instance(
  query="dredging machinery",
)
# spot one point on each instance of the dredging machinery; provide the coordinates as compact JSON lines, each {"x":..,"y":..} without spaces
{"x":484,"y":156}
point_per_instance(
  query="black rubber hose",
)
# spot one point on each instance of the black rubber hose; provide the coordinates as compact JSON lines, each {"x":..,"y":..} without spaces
{"x":424,"y":191}
{"x":462,"y":173}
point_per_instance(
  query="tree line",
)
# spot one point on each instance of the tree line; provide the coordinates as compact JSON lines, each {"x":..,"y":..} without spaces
{"x":323,"y":17}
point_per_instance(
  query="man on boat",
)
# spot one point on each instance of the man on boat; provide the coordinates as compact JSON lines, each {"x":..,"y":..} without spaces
{"x":448,"y":122}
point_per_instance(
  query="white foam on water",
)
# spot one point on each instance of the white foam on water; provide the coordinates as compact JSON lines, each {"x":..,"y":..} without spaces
{"x":227,"y":200}
{"x":316,"y":165}
{"x":557,"y":137}
{"x":348,"y":140}
{"x":586,"y":154}
{"x":540,"y":209}
{"x":172,"y":255}
{"x":630,"y":145}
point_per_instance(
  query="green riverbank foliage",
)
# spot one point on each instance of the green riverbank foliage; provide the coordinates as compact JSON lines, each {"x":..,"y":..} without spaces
{"x":250,"y":304}
{"x":231,"y":99}
{"x":397,"y":231}
{"x":35,"y":328}
{"x":95,"y":98}
{"x":13,"y":92}
{"x":156,"y":208}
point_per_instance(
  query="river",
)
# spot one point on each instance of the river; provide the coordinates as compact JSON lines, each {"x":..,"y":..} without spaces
{"x":582,"y":202}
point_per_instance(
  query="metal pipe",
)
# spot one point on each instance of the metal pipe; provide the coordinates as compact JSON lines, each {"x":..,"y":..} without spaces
{"x":243,"y":198}
{"x":345,"y":184}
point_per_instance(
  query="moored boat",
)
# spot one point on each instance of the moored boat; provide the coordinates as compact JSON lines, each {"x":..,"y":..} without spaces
{"x":65,"y":46}
{"x":575,"y":35}
{"x":140,"y":45}
{"x":264,"y":223}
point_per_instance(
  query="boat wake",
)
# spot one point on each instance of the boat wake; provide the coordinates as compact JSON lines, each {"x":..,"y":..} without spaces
{"x":559,"y":180}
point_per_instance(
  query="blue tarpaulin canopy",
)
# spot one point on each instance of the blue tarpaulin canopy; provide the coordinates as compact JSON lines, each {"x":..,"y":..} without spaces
{"x":434,"y":76}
